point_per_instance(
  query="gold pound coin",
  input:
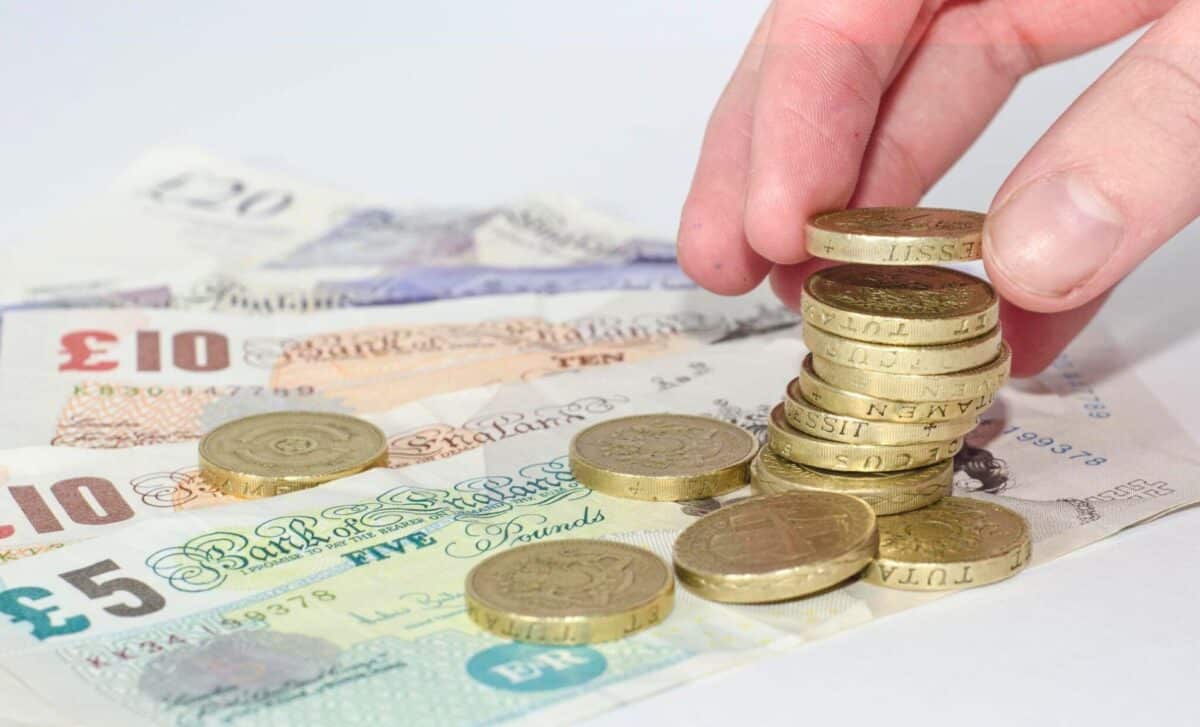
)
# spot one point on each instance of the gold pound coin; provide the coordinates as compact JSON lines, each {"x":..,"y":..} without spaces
{"x":840,"y":428}
{"x":886,"y":493}
{"x":849,"y":403}
{"x":957,"y":543}
{"x":907,"y":306}
{"x":272,"y":454}
{"x":897,"y":235}
{"x":570,"y":592}
{"x":776,"y":547}
{"x":792,"y":444}
{"x":961,"y":385}
{"x":923,"y":360}
{"x":663,"y":457}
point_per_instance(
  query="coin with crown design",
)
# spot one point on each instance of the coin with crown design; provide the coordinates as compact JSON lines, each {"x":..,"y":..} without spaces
{"x":663,"y":457}
{"x":571,"y":591}
{"x":959,"y":542}
{"x":776,"y":547}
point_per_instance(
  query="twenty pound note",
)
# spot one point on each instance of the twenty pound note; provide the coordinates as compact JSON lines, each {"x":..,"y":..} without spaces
{"x":180,"y":221}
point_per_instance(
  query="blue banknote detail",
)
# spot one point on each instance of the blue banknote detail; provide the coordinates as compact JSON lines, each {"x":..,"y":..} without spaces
{"x":221,"y":292}
{"x":432,"y":283}
{"x":392,"y":238}
{"x":154,"y":297}
{"x":389,"y":238}
{"x":532,"y":668}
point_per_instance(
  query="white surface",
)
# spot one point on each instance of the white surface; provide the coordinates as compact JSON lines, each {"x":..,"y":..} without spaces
{"x":477,"y":101}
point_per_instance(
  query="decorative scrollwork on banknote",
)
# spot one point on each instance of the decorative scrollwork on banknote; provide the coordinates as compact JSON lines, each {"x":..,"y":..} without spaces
{"x":173,"y":489}
{"x":393,"y":506}
{"x":485,"y":536}
{"x":753,"y":419}
{"x":263,"y":352}
{"x":438,"y":441}
{"x":547,"y":483}
{"x":427,"y":443}
{"x":291,"y":533}
{"x":202,"y":563}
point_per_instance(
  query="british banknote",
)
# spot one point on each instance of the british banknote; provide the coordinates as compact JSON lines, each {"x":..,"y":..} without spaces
{"x":182,"y":220}
{"x":108,"y":378}
{"x":272,"y":292}
{"x":344,"y":603}
{"x":52,"y":495}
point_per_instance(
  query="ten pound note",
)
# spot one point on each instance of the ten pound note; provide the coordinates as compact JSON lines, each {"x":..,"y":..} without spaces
{"x":114,"y":378}
{"x":344,"y":602}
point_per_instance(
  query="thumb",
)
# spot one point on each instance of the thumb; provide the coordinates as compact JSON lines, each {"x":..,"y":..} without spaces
{"x":1110,"y":182}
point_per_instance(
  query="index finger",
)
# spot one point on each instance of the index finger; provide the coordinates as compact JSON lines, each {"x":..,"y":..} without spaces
{"x":826,"y":66}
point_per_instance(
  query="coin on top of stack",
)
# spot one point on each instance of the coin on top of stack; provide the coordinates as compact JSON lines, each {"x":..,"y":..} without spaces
{"x":272,"y":454}
{"x":663,"y":457}
{"x":897,"y":235}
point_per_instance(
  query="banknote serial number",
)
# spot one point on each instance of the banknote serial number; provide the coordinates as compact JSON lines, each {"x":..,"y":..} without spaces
{"x":285,"y":606}
{"x":225,"y":392}
{"x":1054,"y":446}
{"x":1081,"y":390}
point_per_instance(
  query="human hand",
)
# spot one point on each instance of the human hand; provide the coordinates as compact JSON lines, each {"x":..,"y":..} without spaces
{"x":867,"y":103}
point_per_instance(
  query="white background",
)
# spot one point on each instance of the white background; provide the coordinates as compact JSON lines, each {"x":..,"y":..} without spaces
{"x":483,"y":101}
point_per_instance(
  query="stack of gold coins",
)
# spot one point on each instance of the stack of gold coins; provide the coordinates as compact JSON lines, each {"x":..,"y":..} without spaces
{"x":905,"y":356}
{"x":856,"y":475}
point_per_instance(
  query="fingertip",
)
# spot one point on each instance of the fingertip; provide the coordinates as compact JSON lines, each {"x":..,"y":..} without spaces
{"x":775,"y":224}
{"x":1053,"y":243}
{"x":1037,"y":338}
{"x":713,"y":253}
{"x":1028,"y":362}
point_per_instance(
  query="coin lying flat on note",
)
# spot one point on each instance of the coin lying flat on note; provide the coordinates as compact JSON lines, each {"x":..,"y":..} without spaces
{"x":271,"y":454}
{"x":570,"y":591}
{"x":776,"y":547}
{"x":956,"y":543}
{"x":663,"y":457}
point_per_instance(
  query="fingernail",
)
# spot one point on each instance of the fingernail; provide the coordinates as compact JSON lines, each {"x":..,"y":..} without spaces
{"x":1053,"y":235}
